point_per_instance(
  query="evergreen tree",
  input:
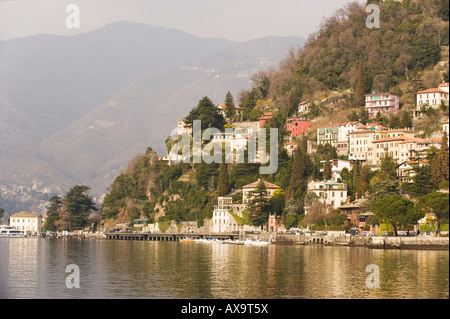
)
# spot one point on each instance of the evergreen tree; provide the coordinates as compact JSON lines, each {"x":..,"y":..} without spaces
{"x":406,"y":120}
{"x":327,"y":169}
{"x":363,"y":180}
{"x":355,"y":177}
{"x":396,"y":211}
{"x":222,"y":184}
{"x":78,"y":205}
{"x":421,"y":181}
{"x":208,"y":113}
{"x":360,"y":87}
{"x":297,"y":185}
{"x":229,"y":103}
{"x":259,"y":205}
{"x":53,"y":213}
{"x":440,"y":166}
{"x":437,"y":204}
{"x":388,"y":168}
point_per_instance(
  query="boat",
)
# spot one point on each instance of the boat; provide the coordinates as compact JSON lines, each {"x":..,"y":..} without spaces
{"x":187,"y":240}
{"x":256,"y":242}
{"x":233,"y":242}
{"x":11,"y":232}
{"x":209,"y":241}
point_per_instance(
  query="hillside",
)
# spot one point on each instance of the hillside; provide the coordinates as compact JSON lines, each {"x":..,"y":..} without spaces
{"x":402,"y":56}
{"x":407,"y":53}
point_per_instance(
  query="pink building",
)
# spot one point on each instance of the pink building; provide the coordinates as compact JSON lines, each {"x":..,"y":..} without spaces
{"x":382,"y":103}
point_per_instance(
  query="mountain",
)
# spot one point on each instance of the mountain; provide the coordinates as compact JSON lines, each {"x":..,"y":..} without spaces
{"x":73,"y":110}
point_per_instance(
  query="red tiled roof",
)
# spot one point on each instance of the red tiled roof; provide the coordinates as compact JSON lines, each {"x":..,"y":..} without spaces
{"x":434,"y":90}
{"x":443,"y":84}
{"x":390,"y":139}
{"x":223,"y":106}
{"x":255,"y":184}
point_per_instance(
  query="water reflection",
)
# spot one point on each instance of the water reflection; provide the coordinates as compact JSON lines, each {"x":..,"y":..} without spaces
{"x":35,"y":268}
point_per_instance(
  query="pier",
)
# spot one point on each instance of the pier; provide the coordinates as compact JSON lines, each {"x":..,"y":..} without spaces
{"x":167,"y":237}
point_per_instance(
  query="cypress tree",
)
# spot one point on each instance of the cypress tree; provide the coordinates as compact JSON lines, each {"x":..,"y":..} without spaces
{"x":296,"y":183}
{"x":229,"y":103}
{"x":439,"y":168}
{"x":360,"y":87}
{"x":222,"y":184}
{"x":327,"y":169}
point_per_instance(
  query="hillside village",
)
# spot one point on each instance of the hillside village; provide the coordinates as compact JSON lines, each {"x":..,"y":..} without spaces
{"x":357,"y":130}
{"x":353,"y":141}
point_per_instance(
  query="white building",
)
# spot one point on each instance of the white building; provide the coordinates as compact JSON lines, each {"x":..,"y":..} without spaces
{"x":337,"y":166}
{"x":329,"y":192}
{"x":247,"y":190}
{"x":29,"y":222}
{"x":345,"y":129}
{"x":303,"y":107}
{"x":224,"y":222}
{"x":432,"y":98}
{"x":182,"y":127}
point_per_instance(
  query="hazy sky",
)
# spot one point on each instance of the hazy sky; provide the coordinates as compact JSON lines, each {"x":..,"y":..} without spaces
{"x":237,"y":20}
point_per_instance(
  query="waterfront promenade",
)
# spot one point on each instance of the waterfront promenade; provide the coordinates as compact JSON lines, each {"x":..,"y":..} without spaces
{"x":416,"y":242}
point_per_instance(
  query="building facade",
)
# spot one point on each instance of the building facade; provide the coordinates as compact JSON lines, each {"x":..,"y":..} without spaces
{"x":328,"y":134}
{"x":381,"y":103}
{"x":29,"y":222}
{"x":329,"y":192}
{"x":297,"y":126}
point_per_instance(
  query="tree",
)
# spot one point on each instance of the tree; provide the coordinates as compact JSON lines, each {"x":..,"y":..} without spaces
{"x":360,"y":87}
{"x":363,"y":180}
{"x":259,"y":205}
{"x":421,"y":181}
{"x":440,"y":165}
{"x":296,"y":187}
{"x":208,"y":113}
{"x":327,"y":169}
{"x":222,"y":184}
{"x":229,"y":103}
{"x":388,"y":168}
{"x":396,"y":211}
{"x":317,"y":211}
{"x":436,"y":203}
{"x":78,"y":205}
{"x":53,"y":213}
{"x":383,"y":189}
{"x":2,"y":211}
{"x":406,"y":120}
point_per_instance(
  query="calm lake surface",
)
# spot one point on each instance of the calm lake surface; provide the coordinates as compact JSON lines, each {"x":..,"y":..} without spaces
{"x":36,"y":268}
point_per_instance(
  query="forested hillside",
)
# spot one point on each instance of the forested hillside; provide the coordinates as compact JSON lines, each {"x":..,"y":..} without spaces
{"x":344,"y":59}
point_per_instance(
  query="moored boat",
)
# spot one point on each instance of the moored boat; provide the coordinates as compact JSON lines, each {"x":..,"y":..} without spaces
{"x":11,"y":232}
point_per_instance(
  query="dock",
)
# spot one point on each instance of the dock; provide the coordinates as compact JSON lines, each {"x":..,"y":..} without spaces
{"x":167,"y":237}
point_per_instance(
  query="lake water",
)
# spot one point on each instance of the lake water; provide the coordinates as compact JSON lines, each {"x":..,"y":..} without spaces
{"x":36,"y":268}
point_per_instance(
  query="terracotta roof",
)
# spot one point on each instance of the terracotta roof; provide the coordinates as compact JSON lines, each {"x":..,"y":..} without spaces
{"x":390,"y":139}
{"x":434,"y":90}
{"x":223,"y":106}
{"x":255,"y":184}
{"x":413,"y":140}
{"x":359,"y":203}
{"x":445,"y":84}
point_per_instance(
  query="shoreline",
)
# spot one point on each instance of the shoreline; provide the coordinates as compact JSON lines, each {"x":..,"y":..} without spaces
{"x":393,"y":243}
